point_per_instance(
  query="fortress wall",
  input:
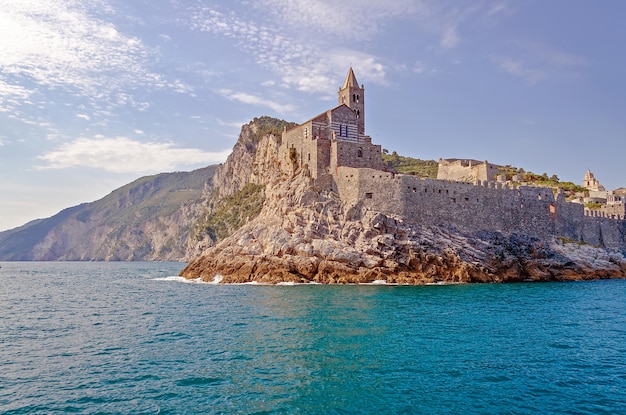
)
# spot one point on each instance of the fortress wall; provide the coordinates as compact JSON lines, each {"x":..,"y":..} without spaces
{"x":604,"y":232}
{"x":486,"y":206}
{"x":310,"y":151}
{"x":569,"y":220}
{"x":477,"y":208}
{"x":355,"y":154}
{"x":466,"y":206}
{"x":613,"y":235}
{"x":322,"y":157}
{"x":293,"y":138}
{"x":375,"y":188}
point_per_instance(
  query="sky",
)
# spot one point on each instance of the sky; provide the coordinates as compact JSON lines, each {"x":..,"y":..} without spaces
{"x":97,"y":93}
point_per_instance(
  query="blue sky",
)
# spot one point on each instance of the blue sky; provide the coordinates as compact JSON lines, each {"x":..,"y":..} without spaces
{"x":96,"y":93}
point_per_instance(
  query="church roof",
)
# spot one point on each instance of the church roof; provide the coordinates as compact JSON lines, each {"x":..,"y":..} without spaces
{"x":350,"y":80}
{"x":322,"y":115}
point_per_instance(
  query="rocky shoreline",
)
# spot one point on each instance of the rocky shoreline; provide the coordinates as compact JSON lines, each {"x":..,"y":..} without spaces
{"x":305,"y":235}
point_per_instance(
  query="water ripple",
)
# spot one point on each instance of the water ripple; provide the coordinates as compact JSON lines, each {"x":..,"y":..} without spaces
{"x":126,"y":338}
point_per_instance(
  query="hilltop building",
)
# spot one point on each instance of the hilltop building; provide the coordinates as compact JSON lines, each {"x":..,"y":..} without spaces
{"x":335,"y":138}
{"x":467,"y":194}
{"x":596,"y":193}
{"x":465,"y":170}
{"x":591,"y":183}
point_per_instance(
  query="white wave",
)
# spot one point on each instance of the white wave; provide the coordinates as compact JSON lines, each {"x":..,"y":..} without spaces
{"x":217,"y":279}
{"x":177,"y":278}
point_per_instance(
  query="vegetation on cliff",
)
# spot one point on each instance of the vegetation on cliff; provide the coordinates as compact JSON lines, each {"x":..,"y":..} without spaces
{"x":231,"y":213}
{"x":542,"y":180}
{"x":409,"y":165}
{"x":268,"y":125}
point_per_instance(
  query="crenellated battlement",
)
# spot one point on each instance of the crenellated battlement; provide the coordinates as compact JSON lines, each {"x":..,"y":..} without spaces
{"x":600,"y":214}
{"x":479,"y":206}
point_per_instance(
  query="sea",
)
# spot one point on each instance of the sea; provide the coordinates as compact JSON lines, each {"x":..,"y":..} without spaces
{"x":133,"y":338}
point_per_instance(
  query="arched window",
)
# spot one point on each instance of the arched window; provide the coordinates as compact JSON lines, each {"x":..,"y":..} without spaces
{"x":358,"y":113}
{"x":359,"y":152}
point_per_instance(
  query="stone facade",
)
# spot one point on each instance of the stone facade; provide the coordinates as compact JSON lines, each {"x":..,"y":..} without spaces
{"x":335,"y":138}
{"x":591,"y":183}
{"x":484,"y":206}
{"x":465,"y":195}
{"x":465,"y":170}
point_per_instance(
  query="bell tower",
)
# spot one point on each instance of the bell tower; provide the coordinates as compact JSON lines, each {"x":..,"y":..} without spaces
{"x":353,"y":96}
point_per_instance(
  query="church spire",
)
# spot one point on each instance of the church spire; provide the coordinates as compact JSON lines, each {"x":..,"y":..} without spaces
{"x":350,"y":81}
{"x":353,"y":95}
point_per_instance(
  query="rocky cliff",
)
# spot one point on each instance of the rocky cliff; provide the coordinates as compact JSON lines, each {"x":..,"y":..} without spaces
{"x":304,"y":234}
{"x":149,"y":219}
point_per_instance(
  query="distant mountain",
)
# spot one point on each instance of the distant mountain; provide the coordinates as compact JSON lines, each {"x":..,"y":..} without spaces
{"x":148,"y":219}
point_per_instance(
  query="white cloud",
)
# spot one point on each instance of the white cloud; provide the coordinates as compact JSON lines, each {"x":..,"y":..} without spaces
{"x":539,"y":62}
{"x":83,"y":116}
{"x":12,"y":96}
{"x":317,"y":39}
{"x":553,"y":56}
{"x":519,"y":69}
{"x":255,"y":100}
{"x":350,"y":19}
{"x":421,"y":68}
{"x":123,"y":155}
{"x":500,"y":7}
{"x":307,"y":62}
{"x":450,"y":37}
{"x":71,"y":45}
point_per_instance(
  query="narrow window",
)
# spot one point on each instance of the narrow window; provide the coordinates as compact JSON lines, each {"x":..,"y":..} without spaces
{"x":360,"y":153}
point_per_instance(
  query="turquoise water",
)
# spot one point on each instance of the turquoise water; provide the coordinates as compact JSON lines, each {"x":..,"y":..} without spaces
{"x":122,"y":338}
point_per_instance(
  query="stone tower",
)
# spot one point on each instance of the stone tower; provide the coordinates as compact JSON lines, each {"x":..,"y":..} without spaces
{"x":591,"y":183}
{"x":353,"y":96}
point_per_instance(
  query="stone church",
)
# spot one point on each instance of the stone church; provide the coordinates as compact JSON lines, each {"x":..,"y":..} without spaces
{"x":336,"y":138}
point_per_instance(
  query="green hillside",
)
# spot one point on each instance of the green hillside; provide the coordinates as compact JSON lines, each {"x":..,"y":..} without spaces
{"x":409,"y":165}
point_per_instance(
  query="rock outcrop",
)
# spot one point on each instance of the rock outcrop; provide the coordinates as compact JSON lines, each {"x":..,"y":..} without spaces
{"x":305,"y":234}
